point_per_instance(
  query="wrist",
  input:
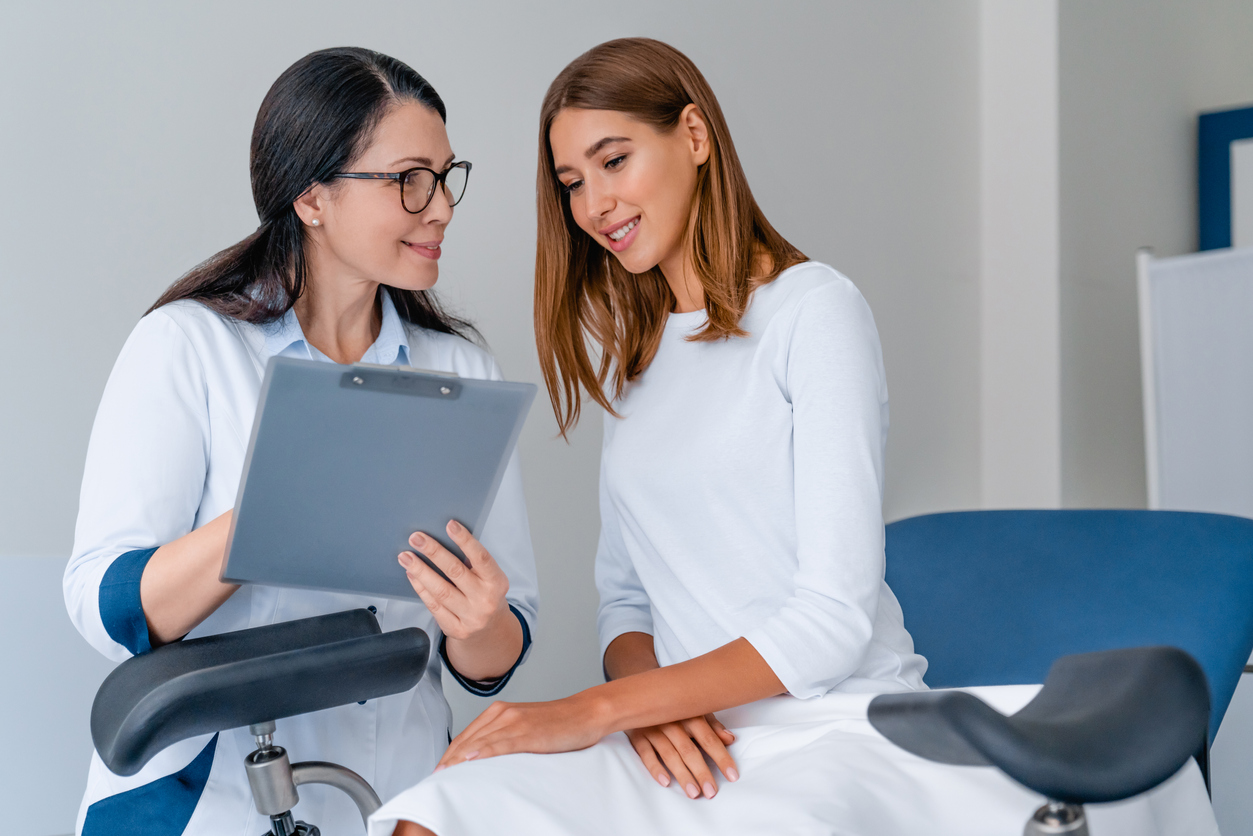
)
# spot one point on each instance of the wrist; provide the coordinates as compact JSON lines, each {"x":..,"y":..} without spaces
{"x":598,"y":710}
{"x":488,"y":653}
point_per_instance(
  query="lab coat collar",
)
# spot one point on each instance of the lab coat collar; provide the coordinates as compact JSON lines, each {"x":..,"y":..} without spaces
{"x":284,"y":337}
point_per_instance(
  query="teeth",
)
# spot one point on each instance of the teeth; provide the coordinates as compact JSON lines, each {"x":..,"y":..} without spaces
{"x":619,"y":234}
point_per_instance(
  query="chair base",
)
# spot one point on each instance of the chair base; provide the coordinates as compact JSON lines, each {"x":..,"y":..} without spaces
{"x":283,"y":825}
{"x":1057,"y":818}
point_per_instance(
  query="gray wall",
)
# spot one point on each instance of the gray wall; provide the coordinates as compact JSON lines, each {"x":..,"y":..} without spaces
{"x":125,"y":144}
{"x":1133,"y":76}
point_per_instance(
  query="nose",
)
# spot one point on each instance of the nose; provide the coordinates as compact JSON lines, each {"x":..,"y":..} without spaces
{"x":439,"y":210}
{"x":597,"y":202}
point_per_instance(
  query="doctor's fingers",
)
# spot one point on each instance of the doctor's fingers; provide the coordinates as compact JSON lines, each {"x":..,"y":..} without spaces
{"x":693,"y":759}
{"x":435,"y":592}
{"x":448,"y":563}
{"x":481,"y":561}
{"x":714,"y":742}
{"x":448,"y":620}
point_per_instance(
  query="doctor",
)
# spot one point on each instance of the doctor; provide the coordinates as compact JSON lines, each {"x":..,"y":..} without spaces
{"x":355,"y":182}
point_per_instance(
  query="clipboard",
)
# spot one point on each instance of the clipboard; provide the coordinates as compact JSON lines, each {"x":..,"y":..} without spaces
{"x":346,"y":462}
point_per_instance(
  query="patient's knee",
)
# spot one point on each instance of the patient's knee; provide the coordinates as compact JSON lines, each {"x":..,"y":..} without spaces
{"x":408,"y":828}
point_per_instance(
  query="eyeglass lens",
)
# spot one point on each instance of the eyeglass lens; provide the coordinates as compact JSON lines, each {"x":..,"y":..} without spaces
{"x":419,"y":187}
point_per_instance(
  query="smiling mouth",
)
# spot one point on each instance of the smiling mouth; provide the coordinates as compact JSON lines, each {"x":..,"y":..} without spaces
{"x":430,"y":250}
{"x":621,"y":232}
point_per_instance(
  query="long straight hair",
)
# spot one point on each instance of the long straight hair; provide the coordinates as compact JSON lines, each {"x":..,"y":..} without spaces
{"x":316,"y":120}
{"x":581,"y":291}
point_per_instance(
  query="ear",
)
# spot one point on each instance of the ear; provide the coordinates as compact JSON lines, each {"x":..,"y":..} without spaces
{"x":312,"y":204}
{"x":696,"y":133}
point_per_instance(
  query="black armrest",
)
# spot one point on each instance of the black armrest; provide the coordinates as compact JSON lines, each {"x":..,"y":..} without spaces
{"x":1105,"y":726}
{"x":250,"y":676}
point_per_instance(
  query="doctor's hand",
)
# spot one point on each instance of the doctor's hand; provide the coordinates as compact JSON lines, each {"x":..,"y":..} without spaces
{"x":681,"y":748}
{"x":484,"y":637}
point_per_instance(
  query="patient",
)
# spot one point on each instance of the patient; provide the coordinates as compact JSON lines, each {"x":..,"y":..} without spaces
{"x":741,"y":550}
{"x":740,"y":564}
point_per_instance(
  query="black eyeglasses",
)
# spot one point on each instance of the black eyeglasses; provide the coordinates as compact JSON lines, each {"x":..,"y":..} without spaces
{"x":417,"y":185}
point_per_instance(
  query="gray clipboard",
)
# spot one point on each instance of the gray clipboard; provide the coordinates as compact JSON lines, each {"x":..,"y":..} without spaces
{"x":345,"y":462}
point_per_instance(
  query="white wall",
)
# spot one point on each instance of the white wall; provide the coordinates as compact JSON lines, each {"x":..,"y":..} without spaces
{"x":1134,"y":74}
{"x":125,"y":147}
{"x":1020,"y":455}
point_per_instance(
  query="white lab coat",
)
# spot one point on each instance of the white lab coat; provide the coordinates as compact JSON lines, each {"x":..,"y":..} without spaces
{"x":166,"y":454}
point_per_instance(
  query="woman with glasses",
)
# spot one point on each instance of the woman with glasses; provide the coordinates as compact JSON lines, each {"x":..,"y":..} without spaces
{"x":355,"y":182}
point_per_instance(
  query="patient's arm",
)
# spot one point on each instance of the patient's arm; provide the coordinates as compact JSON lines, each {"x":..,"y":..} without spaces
{"x":679,"y":747}
{"x":731,"y":675}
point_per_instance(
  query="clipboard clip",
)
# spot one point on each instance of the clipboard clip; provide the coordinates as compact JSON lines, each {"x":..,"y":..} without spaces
{"x":398,"y":382}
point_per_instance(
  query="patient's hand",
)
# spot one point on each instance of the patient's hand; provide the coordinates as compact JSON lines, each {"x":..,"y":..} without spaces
{"x":681,"y":748}
{"x":563,"y":725}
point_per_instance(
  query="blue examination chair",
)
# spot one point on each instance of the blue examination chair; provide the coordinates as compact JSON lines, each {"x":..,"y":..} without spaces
{"x":1139,"y":624}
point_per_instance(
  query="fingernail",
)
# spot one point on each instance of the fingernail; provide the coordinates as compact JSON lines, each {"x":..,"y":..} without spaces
{"x":692,"y":792}
{"x":663,"y":779}
{"x":710,"y":790}
{"x":441,"y":766}
{"x":472,"y":755}
{"x":404,"y":559}
{"x":454,"y":527}
{"x":732,"y":775}
{"x":418,"y":539}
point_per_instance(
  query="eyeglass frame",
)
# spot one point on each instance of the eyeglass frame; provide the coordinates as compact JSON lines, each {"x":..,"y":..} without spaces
{"x":441,"y":179}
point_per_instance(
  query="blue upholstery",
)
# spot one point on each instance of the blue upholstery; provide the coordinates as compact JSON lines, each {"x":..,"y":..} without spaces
{"x":993,"y":597}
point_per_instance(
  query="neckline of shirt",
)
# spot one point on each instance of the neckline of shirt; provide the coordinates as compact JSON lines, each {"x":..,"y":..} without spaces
{"x":686,"y":321}
{"x":285,"y":337}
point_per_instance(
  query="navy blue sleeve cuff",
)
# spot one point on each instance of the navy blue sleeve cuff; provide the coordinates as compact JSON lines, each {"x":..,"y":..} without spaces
{"x":120,"y":607}
{"x":488,"y":687}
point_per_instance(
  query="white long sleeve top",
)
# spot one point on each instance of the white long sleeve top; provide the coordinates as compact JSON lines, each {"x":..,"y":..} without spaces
{"x":166,"y":455}
{"x":741,"y":494}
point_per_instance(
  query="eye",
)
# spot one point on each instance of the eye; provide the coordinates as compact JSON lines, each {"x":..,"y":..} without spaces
{"x":615,"y":162}
{"x":572,"y":187}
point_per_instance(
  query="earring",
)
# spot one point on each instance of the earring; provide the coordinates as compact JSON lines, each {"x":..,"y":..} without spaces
{"x":314,"y":222}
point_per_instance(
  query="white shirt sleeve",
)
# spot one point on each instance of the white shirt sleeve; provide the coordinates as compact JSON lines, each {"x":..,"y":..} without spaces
{"x":144,"y":476}
{"x":835,"y":382}
{"x":624,"y":605}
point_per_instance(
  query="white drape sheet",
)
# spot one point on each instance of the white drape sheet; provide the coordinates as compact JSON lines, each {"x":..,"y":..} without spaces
{"x":806,"y":766}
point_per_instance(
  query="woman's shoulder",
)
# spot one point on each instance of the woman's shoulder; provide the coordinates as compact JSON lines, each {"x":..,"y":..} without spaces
{"x":193,"y":320}
{"x":808,"y":285}
{"x":442,"y":352}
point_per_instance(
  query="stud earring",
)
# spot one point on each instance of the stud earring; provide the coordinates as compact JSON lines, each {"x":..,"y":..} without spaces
{"x":315,"y":222}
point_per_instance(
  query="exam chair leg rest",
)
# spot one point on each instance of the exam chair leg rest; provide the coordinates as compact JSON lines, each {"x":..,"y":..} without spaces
{"x":1057,"y":818}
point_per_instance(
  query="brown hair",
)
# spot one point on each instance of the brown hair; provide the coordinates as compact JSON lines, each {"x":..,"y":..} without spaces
{"x":581,"y":290}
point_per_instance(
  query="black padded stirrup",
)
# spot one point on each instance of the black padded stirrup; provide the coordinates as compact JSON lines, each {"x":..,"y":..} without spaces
{"x":1104,"y":727}
{"x":249,"y":676}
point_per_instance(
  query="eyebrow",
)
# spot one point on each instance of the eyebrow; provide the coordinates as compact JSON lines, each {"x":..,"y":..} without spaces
{"x":424,"y":161}
{"x":591,"y":152}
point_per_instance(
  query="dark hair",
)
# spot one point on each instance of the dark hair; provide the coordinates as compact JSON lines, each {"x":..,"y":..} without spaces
{"x":317,"y":118}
